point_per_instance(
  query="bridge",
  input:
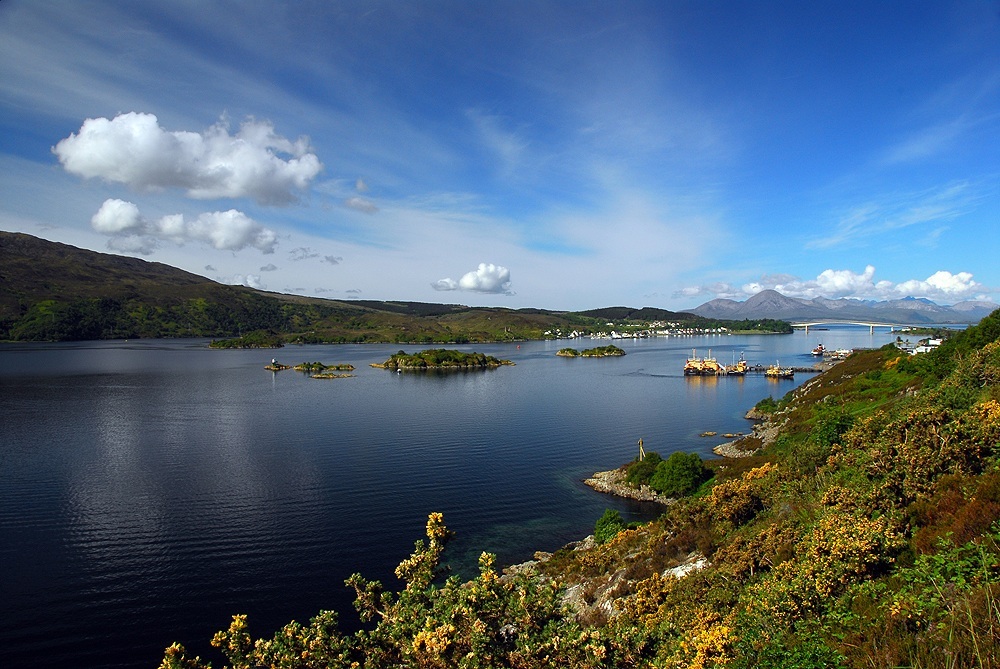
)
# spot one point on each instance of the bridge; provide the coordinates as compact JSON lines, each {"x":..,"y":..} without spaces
{"x":871,"y":326}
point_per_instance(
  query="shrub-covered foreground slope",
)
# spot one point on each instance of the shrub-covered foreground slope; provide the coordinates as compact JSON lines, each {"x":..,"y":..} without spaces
{"x":865,"y":535}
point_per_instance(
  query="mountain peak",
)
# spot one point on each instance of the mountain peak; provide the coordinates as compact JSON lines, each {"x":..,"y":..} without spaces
{"x":910,"y":310}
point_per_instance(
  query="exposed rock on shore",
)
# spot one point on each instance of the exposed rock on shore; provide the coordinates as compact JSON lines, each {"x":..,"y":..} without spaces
{"x":598,"y":597}
{"x":613,"y":483}
{"x":763,"y":433}
{"x":740,"y":448}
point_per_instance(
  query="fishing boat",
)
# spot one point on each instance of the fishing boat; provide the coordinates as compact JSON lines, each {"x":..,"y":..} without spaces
{"x":693,"y":366}
{"x":819,"y":350}
{"x":738,"y":368}
{"x":709,"y":366}
{"x":776,"y":371}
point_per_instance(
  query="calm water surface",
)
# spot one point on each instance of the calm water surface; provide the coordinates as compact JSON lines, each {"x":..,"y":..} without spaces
{"x":151,"y":489}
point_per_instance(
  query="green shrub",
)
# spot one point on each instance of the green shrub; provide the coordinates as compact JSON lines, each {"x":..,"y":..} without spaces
{"x":640,"y":471}
{"x":679,"y":475}
{"x":608,"y":525}
{"x":767,"y":405}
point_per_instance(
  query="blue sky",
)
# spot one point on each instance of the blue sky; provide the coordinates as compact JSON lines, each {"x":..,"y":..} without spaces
{"x":561,"y":155}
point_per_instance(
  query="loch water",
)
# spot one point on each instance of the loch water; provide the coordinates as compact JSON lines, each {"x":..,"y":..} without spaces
{"x":150,"y":489}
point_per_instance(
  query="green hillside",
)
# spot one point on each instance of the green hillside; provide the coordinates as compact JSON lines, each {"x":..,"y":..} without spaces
{"x":55,"y":292}
{"x":864,"y":533}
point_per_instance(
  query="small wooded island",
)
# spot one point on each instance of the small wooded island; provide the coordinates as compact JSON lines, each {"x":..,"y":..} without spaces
{"x":599,"y":352}
{"x":440,"y":358}
{"x":316,"y":370}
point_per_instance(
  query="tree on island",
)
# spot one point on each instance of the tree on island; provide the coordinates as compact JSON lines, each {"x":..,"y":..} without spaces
{"x":440,"y":358}
{"x":598,"y":352}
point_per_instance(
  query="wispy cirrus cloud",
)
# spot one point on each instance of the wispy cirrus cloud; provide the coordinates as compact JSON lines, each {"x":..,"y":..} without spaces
{"x":361,"y":204}
{"x":508,"y":146}
{"x":890,"y":214}
{"x":927,"y":142}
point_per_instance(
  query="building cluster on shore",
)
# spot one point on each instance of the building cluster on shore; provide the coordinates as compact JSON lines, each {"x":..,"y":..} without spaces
{"x":922,"y":346}
{"x":660,"y":330}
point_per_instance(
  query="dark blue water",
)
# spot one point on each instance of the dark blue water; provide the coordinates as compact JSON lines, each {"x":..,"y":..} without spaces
{"x":151,"y":489}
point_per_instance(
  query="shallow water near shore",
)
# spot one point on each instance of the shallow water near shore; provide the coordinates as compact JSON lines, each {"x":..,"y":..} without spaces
{"x":151,"y":489}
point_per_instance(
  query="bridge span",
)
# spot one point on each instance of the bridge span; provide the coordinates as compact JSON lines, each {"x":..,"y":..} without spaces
{"x":871,"y":326}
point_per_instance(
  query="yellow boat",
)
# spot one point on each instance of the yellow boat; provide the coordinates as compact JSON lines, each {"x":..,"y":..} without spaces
{"x":739,"y":368}
{"x":709,"y":366}
{"x":776,"y":371}
{"x":694,"y":365}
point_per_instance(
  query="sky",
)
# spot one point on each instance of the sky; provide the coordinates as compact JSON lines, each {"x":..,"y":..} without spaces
{"x":564,"y":155}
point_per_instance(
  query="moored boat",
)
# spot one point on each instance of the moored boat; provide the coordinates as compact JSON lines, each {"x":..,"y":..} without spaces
{"x":694,"y":365}
{"x":738,"y":368}
{"x":776,"y":371}
{"x":709,"y":366}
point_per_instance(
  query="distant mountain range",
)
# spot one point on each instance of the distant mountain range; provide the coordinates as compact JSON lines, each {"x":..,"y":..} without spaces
{"x":906,"y":311}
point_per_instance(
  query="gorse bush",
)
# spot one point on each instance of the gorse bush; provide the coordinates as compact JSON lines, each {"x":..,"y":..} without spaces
{"x":486,"y":622}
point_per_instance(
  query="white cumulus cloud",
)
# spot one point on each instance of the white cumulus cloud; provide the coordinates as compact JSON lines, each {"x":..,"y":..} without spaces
{"x":942,"y":286}
{"x":133,"y":149}
{"x":248,"y":280}
{"x":487,"y":278}
{"x":117,"y":216}
{"x":224,"y":230}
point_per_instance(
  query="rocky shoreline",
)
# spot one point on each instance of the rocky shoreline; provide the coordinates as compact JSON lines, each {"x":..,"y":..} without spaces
{"x":762,"y":434}
{"x":613,"y":483}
